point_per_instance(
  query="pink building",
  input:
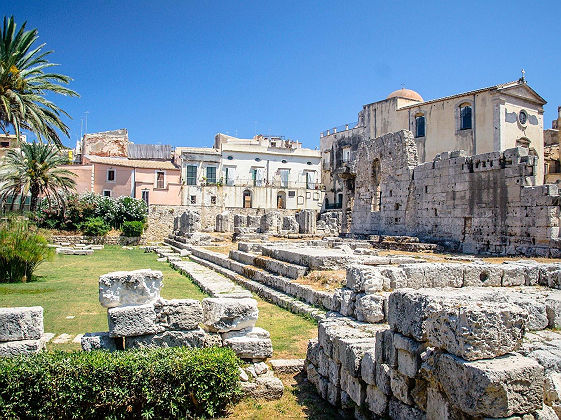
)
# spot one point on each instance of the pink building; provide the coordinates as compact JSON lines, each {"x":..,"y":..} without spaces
{"x":155,"y":181}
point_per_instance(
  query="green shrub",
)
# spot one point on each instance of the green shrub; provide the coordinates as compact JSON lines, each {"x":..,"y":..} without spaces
{"x":133,"y":228}
{"x":21,"y":250}
{"x":95,"y":226}
{"x":149,"y":383}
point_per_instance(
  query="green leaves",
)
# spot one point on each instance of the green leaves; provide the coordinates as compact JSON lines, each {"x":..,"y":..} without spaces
{"x":24,"y":82}
{"x":149,"y":383}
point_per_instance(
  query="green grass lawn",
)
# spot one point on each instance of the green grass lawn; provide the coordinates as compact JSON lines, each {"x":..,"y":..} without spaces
{"x":67,"y":289}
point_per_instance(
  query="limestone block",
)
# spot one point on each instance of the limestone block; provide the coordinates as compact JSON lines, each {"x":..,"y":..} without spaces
{"x":407,"y":313}
{"x":21,"y":323}
{"x":266,"y":387}
{"x":553,"y":310}
{"x":128,"y":321}
{"x":353,"y":386}
{"x":329,"y":369}
{"x":347,"y":299}
{"x":535,"y":308}
{"x":287,"y":366}
{"x":129,"y":288}
{"x":370,"y":308}
{"x":416,"y":278}
{"x":178,"y":314}
{"x":438,"y":407}
{"x":400,"y":411}
{"x":482,"y":275}
{"x":194,"y":338}
{"x":353,"y":353}
{"x":333,"y":394}
{"x":312,"y":374}
{"x":383,"y":378}
{"x":312,"y":354}
{"x":394,"y":277}
{"x":377,"y":401}
{"x":444,"y":275}
{"x":385,"y":350}
{"x":97,"y":341}
{"x":497,"y":387}
{"x":21,"y":347}
{"x":552,"y":389}
{"x":401,"y":386}
{"x":250,"y":343}
{"x":361,"y":278}
{"x":513,"y":275}
{"x":368,"y":367}
{"x":546,"y":413}
{"x":476,"y":331}
{"x":346,"y":402}
{"x":227,"y":314}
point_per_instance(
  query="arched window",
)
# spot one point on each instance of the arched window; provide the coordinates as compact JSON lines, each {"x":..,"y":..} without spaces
{"x":419,"y":125}
{"x":281,"y":200}
{"x":465,"y":116}
{"x":247,"y":199}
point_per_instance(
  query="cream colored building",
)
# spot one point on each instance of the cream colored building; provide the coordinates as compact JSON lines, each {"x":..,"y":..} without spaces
{"x":479,"y":121}
{"x":265,"y":172}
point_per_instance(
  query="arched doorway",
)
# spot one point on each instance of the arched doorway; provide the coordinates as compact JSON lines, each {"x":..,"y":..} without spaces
{"x":281,"y":200}
{"x":247,"y":199}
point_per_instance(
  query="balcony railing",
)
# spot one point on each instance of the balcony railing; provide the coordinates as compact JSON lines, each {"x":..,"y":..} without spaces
{"x":344,"y":127}
{"x":249,"y":182}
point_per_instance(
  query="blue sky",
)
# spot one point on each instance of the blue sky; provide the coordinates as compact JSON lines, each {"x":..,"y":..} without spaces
{"x":178,"y":72}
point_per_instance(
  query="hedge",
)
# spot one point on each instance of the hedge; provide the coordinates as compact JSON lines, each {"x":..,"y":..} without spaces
{"x":148,"y":383}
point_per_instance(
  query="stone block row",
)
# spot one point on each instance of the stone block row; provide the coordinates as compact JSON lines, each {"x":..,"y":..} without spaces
{"x":21,"y":331}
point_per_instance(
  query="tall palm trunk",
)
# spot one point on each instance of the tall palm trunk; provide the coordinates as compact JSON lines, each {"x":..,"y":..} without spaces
{"x":34,"y":197}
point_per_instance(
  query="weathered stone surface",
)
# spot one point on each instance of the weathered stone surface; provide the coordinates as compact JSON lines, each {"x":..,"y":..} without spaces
{"x":195,"y":338}
{"x":97,"y":341}
{"x":497,"y":387}
{"x":401,"y":386}
{"x":22,"y":347}
{"x":129,"y":288}
{"x":482,"y":274}
{"x":21,"y":323}
{"x":368,"y":367}
{"x":250,"y":343}
{"x":178,"y":314}
{"x":370,"y":308}
{"x":476,"y":331}
{"x":312,"y":354}
{"x":128,"y":321}
{"x":383,"y":378}
{"x":227,"y":314}
{"x":363,"y":278}
{"x":377,"y":401}
{"x":400,"y":411}
{"x":267,"y":387}
{"x":286,"y":366}
{"x":353,"y":386}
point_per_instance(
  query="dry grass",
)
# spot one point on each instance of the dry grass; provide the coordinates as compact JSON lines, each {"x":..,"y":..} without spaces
{"x":223,"y":248}
{"x":323,"y":279}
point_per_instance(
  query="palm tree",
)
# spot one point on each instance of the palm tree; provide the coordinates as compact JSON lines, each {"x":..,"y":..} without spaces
{"x":24,"y":81}
{"x":34,"y":170}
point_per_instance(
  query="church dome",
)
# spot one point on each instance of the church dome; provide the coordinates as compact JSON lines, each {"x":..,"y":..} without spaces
{"x":406,"y":94}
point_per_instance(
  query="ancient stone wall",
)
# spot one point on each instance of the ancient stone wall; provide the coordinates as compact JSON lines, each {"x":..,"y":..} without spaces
{"x":478,"y":204}
{"x":21,"y":331}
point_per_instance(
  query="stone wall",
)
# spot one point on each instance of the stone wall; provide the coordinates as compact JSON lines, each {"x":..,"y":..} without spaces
{"x":21,"y":331}
{"x":83,"y":239}
{"x":472,"y":350}
{"x":477,"y":204}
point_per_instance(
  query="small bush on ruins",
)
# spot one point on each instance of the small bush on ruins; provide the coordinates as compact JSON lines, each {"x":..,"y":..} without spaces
{"x":132,"y":228}
{"x":21,"y":250}
{"x":149,"y":383}
{"x":95,"y":226}
{"x":73,"y":210}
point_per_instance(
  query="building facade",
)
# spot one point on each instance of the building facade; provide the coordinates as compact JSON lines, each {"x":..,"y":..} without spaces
{"x":486,"y":120}
{"x":552,"y":145}
{"x":265,"y":172}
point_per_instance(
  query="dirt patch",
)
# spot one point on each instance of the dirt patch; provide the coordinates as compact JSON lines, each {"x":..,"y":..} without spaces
{"x":324,"y":279}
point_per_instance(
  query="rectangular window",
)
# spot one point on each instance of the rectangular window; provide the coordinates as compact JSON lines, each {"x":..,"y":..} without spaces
{"x":160,"y":180}
{"x":465,"y":117}
{"x":5,"y":144}
{"x":111,"y":175}
{"x":346,"y":154}
{"x":193,"y":199}
{"x":145,"y":197}
{"x":213,"y":199}
{"x":292,"y":194}
{"x":284,"y":173}
{"x":211,"y":174}
{"x":191,"y":175}
{"x":310,"y":180}
{"x":420,"y":126}
{"x":106,"y":193}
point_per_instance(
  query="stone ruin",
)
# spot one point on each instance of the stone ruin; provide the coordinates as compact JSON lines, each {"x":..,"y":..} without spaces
{"x":187,"y":229}
{"x":21,"y":331}
{"x":486,"y":203}
{"x":443,"y":341}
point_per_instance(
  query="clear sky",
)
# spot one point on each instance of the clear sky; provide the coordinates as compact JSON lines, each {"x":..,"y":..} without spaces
{"x":178,"y":72}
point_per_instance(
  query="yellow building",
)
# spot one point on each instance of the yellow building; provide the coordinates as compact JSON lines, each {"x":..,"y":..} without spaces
{"x":495,"y":118}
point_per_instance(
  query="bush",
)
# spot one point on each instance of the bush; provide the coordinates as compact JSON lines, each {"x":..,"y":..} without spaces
{"x":132,"y":229}
{"x":95,"y":227}
{"x":149,"y":383}
{"x":21,"y":250}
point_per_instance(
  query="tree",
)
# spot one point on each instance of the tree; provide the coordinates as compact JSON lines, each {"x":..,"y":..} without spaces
{"x":34,"y":170}
{"x":24,"y":81}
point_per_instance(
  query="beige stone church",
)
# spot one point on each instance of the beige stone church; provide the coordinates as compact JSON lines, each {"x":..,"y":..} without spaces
{"x":491,"y":119}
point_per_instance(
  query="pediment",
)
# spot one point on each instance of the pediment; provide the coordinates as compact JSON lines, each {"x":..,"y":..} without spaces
{"x":523,"y":91}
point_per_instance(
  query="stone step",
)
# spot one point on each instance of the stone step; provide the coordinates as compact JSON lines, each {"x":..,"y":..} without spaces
{"x":267,"y":293}
{"x":272,"y":265}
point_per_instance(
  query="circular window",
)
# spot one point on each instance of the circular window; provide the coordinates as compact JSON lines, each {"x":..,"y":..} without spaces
{"x":283,"y":161}
{"x":257,"y":159}
{"x":230,"y":157}
{"x":522,"y":117}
